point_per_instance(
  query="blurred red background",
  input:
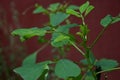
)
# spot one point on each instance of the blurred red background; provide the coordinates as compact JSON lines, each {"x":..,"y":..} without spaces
{"x":18,"y":14}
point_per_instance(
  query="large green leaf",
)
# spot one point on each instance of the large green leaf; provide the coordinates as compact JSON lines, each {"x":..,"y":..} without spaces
{"x":26,"y":33}
{"x":66,"y":68}
{"x":107,"y":20}
{"x":39,"y":9}
{"x":83,"y":7}
{"x":107,"y":64}
{"x":30,"y":70}
{"x":54,"y":7}
{"x":57,"y":18}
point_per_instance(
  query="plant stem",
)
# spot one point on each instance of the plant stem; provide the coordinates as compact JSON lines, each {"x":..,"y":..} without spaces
{"x":98,"y":37}
{"x":108,"y":70}
{"x":78,"y":48}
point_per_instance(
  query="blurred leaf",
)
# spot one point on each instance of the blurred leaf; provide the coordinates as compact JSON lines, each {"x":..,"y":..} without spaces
{"x":106,"y":21}
{"x":54,"y":7}
{"x":89,"y":9}
{"x":107,"y":64}
{"x":26,"y":33}
{"x":39,"y":9}
{"x":73,"y":7}
{"x":60,"y":37}
{"x":89,"y":76}
{"x":30,"y":70}
{"x":66,"y":68}
{"x":91,"y":58}
{"x":115,"y":19}
{"x":73,"y":12}
{"x":83,"y":7}
{"x":57,"y":18}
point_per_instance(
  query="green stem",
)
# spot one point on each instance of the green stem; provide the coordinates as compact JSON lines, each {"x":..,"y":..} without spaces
{"x":78,"y":48}
{"x":108,"y":70}
{"x":98,"y":37}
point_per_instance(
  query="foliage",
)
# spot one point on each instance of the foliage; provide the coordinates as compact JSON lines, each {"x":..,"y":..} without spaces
{"x":59,"y":27}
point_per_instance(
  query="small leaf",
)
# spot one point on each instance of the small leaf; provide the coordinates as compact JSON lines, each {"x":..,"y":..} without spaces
{"x":73,"y":12}
{"x":54,"y":7}
{"x":26,"y":33}
{"x":107,"y":64}
{"x":107,"y":20}
{"x":115,"y":19}
{"x":60,"y":41}
{"x":66,"y":68}
{"x":73,"y":7}
{"x":89,"y":76}
{"x":57,"y":18}
{"x":83,"y":7}
{"x":89,"y":9}
{"x":39,"y":9}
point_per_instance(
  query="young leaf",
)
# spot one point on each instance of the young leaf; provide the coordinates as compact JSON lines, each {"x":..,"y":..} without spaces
{"x":73,"y":12}
{"x":89,"y":9}
{"x":73,"y":7}
{"x":57,"y":18}
{"x":89,"y":76}
{"x":107,"y":64}
{"x":60,"y":41}
{"x":27,"y":33}
{"x":83,"y":7}
{"x":107,"y":20}
{"x":115,"y":19}
{"x":54,"y":7}
{"x":66,"y":68}
{"x":39,"y":9}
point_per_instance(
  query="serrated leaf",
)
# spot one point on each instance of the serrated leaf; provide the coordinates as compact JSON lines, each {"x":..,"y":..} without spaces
{"x":83,"y":7}
{"x":107,"y":64}
{"x":26,"y":33}
{"x":107,"y":20}
{"x":39,"y":9}
{"x":54,"y":7}
{"x":57,"y":18}
{"x":73,"y":12}
{"x":65,"y":68}
{"x":89,"y":9}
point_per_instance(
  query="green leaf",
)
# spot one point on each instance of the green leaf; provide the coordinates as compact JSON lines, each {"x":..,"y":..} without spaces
{"x":30,"y":60}
{"x":83,"y":7}
{"x":54,"y":7}
{"x":26,"y":33}
{"x":91,"y":59}
{"x":57,"y":18}
{"x":89,"y":76}
{"x":107,"y":20}
{"x":73,"y":7}
{"x":66,"y":68}
{"x":30,"y":70}
{"x":60,"y":37}
{"x":107,"y":64}
{"x":115,"y":19}
{"x":89,"y":9}
{"x":39,"y":9}
{"x":60,"y":41}
{"x":73,"y":12}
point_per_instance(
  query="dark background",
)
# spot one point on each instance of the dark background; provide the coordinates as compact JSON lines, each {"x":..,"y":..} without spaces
{"x":18,"y":14}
